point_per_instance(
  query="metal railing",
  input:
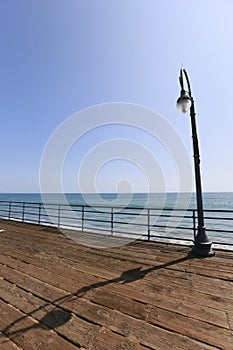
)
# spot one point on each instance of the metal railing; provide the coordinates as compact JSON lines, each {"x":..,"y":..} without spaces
{"x":150,"y":224}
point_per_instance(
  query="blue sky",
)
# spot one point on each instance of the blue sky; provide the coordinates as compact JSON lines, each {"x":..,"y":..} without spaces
{"x":58,"y":57}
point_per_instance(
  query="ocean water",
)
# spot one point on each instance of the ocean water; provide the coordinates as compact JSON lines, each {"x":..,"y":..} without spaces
{"x":211,"y":200}
{"x":217,"y":206}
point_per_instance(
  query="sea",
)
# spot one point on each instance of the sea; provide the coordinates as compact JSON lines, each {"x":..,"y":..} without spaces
{"x":211,"y":200}
{"x":218,"y":206}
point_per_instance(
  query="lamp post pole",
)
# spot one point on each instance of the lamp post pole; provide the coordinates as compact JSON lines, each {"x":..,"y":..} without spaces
{"x":202,"y":244}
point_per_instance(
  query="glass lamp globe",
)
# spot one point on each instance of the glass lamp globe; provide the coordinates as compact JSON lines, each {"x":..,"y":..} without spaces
{"x":183,"y":104}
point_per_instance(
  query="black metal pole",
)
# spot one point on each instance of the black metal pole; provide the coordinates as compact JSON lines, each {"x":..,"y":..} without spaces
{"x":202,"y":244}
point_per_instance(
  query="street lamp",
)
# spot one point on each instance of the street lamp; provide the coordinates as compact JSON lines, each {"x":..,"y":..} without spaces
{"x":185,"y":103}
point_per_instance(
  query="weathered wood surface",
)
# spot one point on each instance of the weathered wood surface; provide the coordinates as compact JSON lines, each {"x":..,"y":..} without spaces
{"x":56,"y":294}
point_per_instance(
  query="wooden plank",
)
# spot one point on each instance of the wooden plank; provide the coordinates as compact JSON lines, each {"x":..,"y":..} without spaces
{"x":21,"y":299}
{"x":227,"y":275}
{"x":45,"y":231}
{"x":206,"y":286}
{"x":75,"y":329}
{"x":27,"y":333}
{"x":118,"y":302}
{"x":109,"y":269}
{"x":230,"y":319}
{"x":171,"y":303}
{"x":136,"y":332}
{"x":219,"y":303}
{"x":107,"y":340}
{"x":210,"y":334}
{"x":46,"y":276}
{"x":183,"y":286}
{"x":62,"y":241}
{"x":138,"y":309}
{"x":7,"y":344}
{"x":179,"y":266}
{"x":33,"y":285}
{"x":59,"y":266}
{"x":143,"y":332}
{"x":142,"y":296}
{"x":217,"y":287}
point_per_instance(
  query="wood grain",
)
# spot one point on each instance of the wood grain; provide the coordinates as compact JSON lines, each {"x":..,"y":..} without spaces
{"x":57,"y":294}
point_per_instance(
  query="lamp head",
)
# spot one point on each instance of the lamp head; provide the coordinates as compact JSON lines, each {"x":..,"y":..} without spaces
{"x":184,"y":102}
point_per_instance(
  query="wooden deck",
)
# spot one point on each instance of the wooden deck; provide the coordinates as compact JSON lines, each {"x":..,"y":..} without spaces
{"x":59,"y":295}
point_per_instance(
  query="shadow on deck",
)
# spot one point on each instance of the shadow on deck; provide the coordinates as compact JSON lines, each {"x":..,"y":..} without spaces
{"x":55,"y":294}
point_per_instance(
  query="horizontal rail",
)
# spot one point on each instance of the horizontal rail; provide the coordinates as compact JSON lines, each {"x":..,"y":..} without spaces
{"x":148,"y":222}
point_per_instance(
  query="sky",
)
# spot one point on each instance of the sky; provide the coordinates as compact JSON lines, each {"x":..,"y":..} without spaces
{"x":59,"y":58}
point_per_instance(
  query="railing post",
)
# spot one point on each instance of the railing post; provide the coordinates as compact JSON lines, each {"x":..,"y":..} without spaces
{"x":83,"y":217}
{"x":9,"y":212}
{"x":23,"y":212}
{"x":194,"y":224}
{"x":39,"y":213}
{"x":112,"y":221}
{"x":148,"y":224}
{"x":59,"y":216}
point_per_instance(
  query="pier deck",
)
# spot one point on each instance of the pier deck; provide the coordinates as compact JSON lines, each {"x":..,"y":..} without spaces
{"x":59,"y":295}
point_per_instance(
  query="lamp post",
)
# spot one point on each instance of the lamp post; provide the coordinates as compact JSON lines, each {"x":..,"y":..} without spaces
{"x":202,"y":244}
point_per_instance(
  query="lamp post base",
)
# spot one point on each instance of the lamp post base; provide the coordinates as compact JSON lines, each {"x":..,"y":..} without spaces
{"x":202,"y":244}
{"x":203,"y":249}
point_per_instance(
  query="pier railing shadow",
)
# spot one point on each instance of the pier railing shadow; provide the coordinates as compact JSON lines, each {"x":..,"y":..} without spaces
{"x":60,"y":315}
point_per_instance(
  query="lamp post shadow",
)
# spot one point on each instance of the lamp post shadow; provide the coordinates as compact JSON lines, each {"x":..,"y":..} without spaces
{"x":60,"y":316}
